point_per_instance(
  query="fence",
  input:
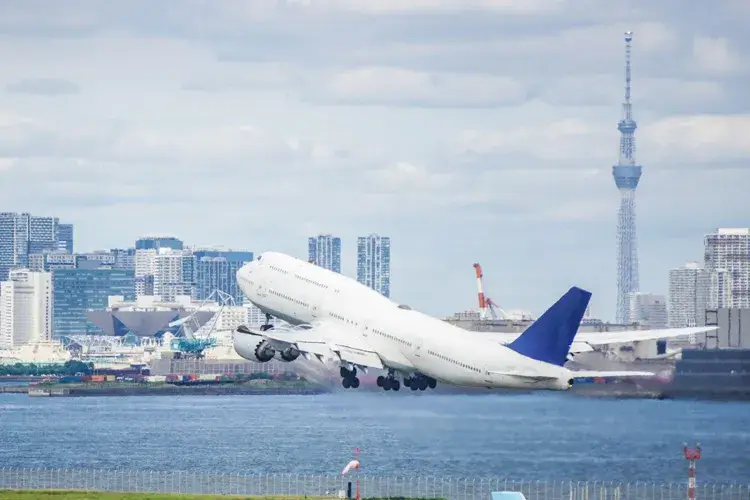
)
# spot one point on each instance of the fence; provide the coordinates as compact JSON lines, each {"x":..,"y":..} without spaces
{"x":301,"y":485}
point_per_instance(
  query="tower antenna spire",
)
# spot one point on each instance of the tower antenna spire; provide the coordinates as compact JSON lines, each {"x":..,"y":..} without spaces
{"x":626,"y":174}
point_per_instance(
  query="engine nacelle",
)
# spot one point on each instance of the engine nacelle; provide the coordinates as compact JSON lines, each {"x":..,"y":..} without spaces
{"x":290,"y":354}
{"x":264,"y":352}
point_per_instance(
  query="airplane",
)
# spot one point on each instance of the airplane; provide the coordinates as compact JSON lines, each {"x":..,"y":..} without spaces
{"x":335,"y":317}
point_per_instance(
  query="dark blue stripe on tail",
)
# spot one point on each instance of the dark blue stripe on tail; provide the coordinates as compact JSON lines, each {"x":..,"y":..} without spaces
{"x":549,"y":338}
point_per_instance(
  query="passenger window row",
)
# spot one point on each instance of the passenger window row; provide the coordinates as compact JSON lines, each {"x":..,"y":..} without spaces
{"x":312,"y":282}
{"x":389,"y":336}
{"x":279,"y":270}
{"x":287,"y":297}
{"x":450,"y":360}
{"x":342,"y":318}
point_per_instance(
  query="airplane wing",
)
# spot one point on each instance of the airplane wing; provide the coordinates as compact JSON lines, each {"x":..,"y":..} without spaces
{"x":603,"y":338}
{"x":585,"y":341}
{"x":322,"y":340}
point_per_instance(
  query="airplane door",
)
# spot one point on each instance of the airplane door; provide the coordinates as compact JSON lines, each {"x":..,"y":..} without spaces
{"x":418,"y":347}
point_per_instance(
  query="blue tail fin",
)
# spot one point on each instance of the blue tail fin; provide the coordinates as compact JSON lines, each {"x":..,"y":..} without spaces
{"x":549,"y":338}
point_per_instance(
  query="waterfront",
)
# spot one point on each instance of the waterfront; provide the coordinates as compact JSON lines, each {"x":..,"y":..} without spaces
{"x":543,"y":436}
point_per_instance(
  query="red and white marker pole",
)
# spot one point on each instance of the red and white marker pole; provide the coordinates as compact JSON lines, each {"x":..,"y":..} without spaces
{"x":691,"y":455}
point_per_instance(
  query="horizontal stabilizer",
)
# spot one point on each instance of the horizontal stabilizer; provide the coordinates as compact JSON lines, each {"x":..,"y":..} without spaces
{"x":610,"y":374}
{"x":536,"y":378}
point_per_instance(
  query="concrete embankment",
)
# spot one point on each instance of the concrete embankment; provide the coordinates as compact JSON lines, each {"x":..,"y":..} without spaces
{"x":124,"y":389}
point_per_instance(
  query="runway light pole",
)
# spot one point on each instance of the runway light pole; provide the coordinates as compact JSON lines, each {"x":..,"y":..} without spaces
{"x":691,"y":455}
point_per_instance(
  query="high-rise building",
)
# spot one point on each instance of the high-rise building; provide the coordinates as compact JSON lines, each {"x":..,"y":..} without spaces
{"x":649,"y":310}
{"x":74,"y":291}
{"x":22,"y":234}
{"x":25,"y":308}
{"x":626,"y":174}
{"x":689,"y":290}
{"x":172,"y":273}
{"x":729,"y":249}
{"x":216,"y":269}
{"x":720,"y":290}
{"x":374,"y":262}
{"x":65,"y":237}
{"x":324,"y":250}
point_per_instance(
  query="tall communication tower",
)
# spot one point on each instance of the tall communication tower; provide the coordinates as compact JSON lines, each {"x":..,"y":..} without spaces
{"x":627,"y":174}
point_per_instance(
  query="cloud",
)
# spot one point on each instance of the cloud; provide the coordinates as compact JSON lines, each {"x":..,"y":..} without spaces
{"x":713,"y":55}
{"x":479,"y":130}
{"x":699,"y":138}
{"x":43,"y":86}
{"x":400,"y":87}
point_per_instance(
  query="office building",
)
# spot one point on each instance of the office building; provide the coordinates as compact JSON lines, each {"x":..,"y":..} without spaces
{"x":157,"y":242}
{"x":74,"y":291}
{"x":216,"y":269}
{"x":648,"y":310}
{"x":124,"y":258}
{"x":689,"y":288}
{"x":729,"y":249}
{"x":22,"y":234}
{"x":65,"y":237}
{"x":374,"y":262}
{"x":324,"y":250}
{"x":25,"y":308}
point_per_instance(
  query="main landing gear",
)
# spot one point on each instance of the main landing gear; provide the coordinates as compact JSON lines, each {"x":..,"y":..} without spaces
{"x":417,"y":381}
{"x":389,"y":382}
{"x":267,"y":326}
{"x":349,"y":377}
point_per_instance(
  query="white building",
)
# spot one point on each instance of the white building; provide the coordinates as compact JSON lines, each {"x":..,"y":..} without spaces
{"x":689,"y":290}
{"x":374,"y":263}
{"x":25,"y":308}
{"x":169,"y":266}
{"x":720,"y":290}
{"x":729,"y":249}
{"x":649,"y":310}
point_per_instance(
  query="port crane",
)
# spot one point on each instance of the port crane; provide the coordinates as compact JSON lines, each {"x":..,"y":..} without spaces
{"x":190,"y":345}
{"x":486,"y":304}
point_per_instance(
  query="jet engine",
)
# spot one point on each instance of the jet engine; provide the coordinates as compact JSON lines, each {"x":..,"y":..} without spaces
{"x":264,"y":352}
{"x":290,"y":354}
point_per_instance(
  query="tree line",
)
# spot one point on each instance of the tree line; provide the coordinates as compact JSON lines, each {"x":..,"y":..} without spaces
{"x":72,"y":367}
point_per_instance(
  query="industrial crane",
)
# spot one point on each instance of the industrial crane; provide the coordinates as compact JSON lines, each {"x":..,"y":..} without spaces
{"x":485,"y":303}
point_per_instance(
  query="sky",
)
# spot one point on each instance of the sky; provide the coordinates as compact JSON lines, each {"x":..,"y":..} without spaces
{"x":466,"y":130}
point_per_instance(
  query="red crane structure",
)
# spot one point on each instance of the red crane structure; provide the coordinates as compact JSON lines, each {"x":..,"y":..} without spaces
{"x":485,"y":303}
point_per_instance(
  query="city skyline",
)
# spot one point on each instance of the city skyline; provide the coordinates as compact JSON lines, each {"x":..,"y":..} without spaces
{"x":486,"y":134}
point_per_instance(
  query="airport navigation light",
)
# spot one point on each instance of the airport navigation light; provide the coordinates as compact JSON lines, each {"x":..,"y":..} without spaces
{"x":691,"y":455}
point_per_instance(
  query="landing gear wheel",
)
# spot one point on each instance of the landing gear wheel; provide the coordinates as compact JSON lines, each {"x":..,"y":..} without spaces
{"x":395,"y":385}
{"x":422,"y":384}
{"x":407,"y":382}
{"x":346,"y":383}
{"x":343,"y":372}
{"x":380,"y":381}
{"x":355,"y":383}
{"x":413,"y":386}
{"x":432,"y":383}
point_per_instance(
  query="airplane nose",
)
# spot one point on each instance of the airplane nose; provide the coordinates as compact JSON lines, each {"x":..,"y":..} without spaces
{"x":245,"y":271}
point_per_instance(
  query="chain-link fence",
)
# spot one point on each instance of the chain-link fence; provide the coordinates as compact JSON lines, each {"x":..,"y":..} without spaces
{"x":334,"y":486}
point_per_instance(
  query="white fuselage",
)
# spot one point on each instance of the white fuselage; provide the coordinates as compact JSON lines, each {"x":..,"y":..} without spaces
{"x":405,"y":340}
